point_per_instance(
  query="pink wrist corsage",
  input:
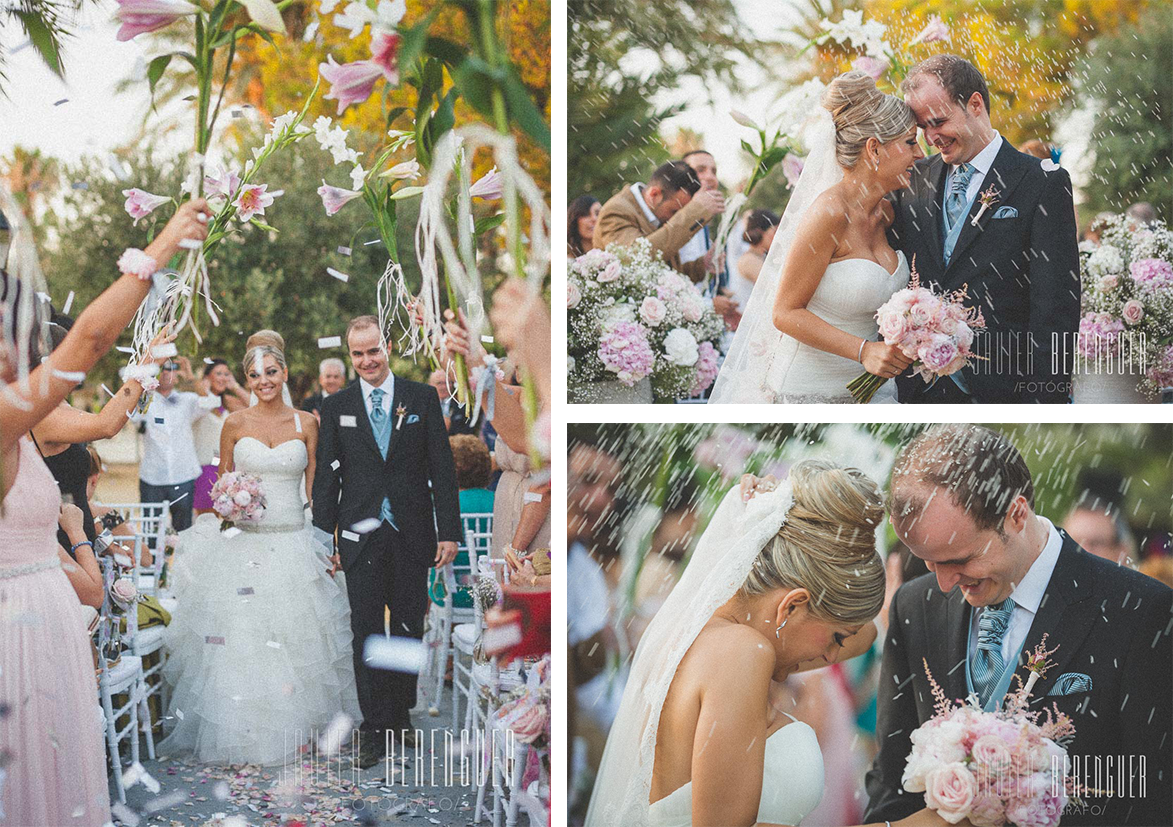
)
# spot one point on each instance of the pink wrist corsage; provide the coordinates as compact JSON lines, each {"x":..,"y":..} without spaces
{"x":135,"y":262}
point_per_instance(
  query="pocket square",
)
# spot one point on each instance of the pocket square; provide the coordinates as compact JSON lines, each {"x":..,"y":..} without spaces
{"x":1071,"y":682}
{"x":414,"y":418}
{"x":1006,"y":212}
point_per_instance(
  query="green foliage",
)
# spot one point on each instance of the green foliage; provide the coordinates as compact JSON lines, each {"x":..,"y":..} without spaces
{"x":612,"y":124}
{"x":1130,"y":74}
{"x":259,"y":279}
{"x":46,"y":24}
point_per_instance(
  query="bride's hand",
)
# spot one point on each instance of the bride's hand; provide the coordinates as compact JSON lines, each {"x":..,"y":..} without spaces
{"x":884,"y":360}
{"x":928,"y":818}
{"x":751,"y":485}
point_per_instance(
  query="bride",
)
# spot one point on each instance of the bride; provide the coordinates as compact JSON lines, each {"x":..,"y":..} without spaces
{"x":260,"y":643}
{"x":784,"y":579}
{"x":809,"y":328}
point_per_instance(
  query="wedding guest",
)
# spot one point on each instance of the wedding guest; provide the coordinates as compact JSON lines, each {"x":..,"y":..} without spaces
{"x":61,"y":437}
{"x":580,"y":225}
{"x":455,"y":419}
{"x":331,"y":378}
{"x":1142,"y":213}
{"x":473,"y":468}
{"x":220,"y":394}
{"x":170,"y":467}
{"x":667,"y":210}
{"x":700,"y":245}
{"x":56,"y":764}
{"x":106,"y":518}
{"x":1037,"y":148}
{"x":1100,"y":528}
{"x":760,"y":228}
{"x":77,"y":559}
{"x":671,"y":541}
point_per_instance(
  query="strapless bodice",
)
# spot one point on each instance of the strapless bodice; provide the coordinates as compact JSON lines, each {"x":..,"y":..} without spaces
{"x":281,"y":469}
{"x":792,"y":782}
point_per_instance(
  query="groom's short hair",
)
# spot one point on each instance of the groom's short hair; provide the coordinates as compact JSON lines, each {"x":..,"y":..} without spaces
{"x":957,"y":76}
{"x":979,"y":469}
{"x":676,"y":175}
{"x":359,"y":322}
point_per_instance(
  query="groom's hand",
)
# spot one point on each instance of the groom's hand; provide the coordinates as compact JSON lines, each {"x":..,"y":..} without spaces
{"x":445,"y":553}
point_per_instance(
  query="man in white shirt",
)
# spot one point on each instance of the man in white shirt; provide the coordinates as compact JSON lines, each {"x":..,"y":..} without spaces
{"x":705,"y":167}
{"x":169,"y":466}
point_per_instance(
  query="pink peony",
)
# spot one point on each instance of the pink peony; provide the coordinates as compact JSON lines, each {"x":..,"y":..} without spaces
{"x":335,"y":198}
{"x":893,"y":326}
{"x":950,"y":790}
{"x":938,"y":352}
{"x":1042,"y":810}
{"x":573,"y":295}
{"x":652,"y":311}
{"x":349,"y":82}
{"x":991,"y":751}
{"x":140,"y":203}
{"x":1132,"y":312}
{"x":706,"y":368}
{"x":611,"y":272}
{"x":1161,"y":374}
{"x":141,"y":16}
{"x":385,"y":55}
{"x":987,"y":811}
{"x":252,"y":200}
{"x":921,"y":313}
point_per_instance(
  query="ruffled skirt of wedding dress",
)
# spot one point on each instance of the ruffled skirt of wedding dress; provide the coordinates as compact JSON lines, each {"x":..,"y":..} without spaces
{"x":800,"y":374}
{"x":259,"y":646}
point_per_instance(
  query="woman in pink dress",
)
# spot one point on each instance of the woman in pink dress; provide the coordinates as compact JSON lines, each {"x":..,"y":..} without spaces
{"x":50,"y":737}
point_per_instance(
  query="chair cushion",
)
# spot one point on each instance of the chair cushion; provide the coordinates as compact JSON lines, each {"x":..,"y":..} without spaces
{"x":464,"y":637}
{"x":125,"y":673}
{"x":147,"y":640}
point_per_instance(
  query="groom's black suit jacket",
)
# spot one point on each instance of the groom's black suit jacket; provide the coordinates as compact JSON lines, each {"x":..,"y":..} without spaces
{"x":1109,"y":622}
{"x":418,"y":454}
{"x":1022,"y":272}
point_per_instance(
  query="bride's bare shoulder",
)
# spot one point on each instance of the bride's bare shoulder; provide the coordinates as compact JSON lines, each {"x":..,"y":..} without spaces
{"x":730,"y":648}
{"x":828,"y":212}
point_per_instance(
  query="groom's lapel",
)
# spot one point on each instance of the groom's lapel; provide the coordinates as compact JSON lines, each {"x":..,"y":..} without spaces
{"x":358,"y":409}
{"x":1064,"y":616}
{"x":956,"y":644}
{"x":1004,"y":175}
{"x":398,"y":400}
{"x":929,"y":186}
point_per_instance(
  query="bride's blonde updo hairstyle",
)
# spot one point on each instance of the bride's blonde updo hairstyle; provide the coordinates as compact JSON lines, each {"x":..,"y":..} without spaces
{"x":261,"y":344}
{"x":861,"y":111}
{"x":827,"y":545}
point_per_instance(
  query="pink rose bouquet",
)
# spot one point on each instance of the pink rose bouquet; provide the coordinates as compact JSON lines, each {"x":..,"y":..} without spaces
{"x":238,"y":498}
{"x":935,"y":331}
{"x":994,"y":768}
{"x":632,"y":317}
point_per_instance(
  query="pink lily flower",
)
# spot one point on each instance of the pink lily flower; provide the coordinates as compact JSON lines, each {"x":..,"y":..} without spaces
{"x":490,"y":187}
{"x":140,"y":16}
{"x":385,"y":54}
{"x":870,"y":66}
{"x":349,"y":82}
{"x":933,"y":31}
{"x":225,"y":184}
{"x":140,"y":203}
{"x":335,"y":198}
{"x":252,"y":200}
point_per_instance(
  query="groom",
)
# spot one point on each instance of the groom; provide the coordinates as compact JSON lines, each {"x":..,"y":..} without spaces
{"x":385,"y":480}
{"x":1019,"y":259}
{"x":1002,"y":576}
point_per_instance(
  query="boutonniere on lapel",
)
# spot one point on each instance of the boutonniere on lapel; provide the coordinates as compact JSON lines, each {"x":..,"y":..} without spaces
{"x":1037,"y":664}
{"x":987,"y":199}
{"x":400,"y":412}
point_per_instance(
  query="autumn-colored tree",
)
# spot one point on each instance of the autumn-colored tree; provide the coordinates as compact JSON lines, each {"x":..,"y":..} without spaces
{"x":1027,"y":50}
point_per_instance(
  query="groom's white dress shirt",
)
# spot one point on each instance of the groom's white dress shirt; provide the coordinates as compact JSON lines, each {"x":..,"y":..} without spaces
{"x":1027,"y":596}
{"x":388,"y":388}
{"x":981,"y":164}
{"x":638,"y":191}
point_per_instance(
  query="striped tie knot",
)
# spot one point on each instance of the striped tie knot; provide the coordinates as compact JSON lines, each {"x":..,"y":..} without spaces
{"x":992,"y":624}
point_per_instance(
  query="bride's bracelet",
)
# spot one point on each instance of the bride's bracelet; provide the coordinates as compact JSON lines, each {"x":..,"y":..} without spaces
{"x":859,"y":358}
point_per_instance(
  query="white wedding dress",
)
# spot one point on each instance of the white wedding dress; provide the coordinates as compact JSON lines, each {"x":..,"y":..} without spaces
{"x":848,"y":296}
{"x":792,"y":782}
{"x":260,"y":643}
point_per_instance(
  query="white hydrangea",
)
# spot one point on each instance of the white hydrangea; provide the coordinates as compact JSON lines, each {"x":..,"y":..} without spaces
{"x":1105,"y":260}
{"x":680,"y":347}
{"x":617,"y":314}
{"x":570,"y":365}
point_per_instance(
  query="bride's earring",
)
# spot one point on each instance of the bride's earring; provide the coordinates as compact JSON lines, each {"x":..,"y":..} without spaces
{"x":778,"y":631}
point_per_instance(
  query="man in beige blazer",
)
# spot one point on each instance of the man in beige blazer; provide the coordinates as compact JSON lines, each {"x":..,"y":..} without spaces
{"x":668,"y":210}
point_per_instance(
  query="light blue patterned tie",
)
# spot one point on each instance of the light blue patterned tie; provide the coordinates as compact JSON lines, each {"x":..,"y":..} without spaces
{"x":987,"y":662}
{"x":381,"y":425}
{"x":956,"y":200}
